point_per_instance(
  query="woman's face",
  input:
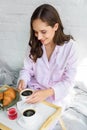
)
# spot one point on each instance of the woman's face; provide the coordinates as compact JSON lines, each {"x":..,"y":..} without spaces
{"x":43,"y":31}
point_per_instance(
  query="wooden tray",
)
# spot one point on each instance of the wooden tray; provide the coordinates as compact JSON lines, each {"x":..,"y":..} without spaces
{"x":52,"y":117}
{"x":4,"y":127}
{"x":48,"y":112}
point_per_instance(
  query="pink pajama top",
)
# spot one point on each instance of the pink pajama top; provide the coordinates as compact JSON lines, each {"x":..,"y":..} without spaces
{"x":57,"y":73}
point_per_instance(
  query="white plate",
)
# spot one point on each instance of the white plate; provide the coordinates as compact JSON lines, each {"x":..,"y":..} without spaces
{"x":33,"y":125}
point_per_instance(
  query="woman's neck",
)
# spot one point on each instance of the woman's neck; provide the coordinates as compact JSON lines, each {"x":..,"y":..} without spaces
{"x":49,"y":50}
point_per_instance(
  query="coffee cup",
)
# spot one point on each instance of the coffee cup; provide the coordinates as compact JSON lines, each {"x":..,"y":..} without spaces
{"x":25,"y":93}
{"x":29,"y":115}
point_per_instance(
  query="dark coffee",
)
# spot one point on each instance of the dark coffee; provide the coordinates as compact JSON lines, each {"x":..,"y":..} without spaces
{"x":27,"y":93}
{"x":29,"y":112}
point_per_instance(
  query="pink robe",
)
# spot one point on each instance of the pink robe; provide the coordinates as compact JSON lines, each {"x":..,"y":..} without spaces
{"x":57,"y":73}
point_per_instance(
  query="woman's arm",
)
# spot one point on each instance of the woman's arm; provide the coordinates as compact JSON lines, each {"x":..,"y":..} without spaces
{"x":25,"y":72}
{"x":63,"y":87}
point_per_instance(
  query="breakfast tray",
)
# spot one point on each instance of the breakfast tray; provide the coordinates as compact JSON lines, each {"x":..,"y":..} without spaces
{"x":47,"y":114}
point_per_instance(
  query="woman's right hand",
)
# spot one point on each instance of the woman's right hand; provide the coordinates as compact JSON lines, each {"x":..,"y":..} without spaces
{"x":21,"y":85}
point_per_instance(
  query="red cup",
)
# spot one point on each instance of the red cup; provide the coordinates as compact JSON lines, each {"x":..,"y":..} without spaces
{"x":12,"y":113}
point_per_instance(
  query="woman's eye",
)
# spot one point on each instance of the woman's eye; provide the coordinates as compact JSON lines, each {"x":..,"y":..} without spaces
{"x":43,"y":32}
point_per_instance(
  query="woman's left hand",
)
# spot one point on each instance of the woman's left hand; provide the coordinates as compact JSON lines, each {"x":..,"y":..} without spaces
{"x":40,"y":95}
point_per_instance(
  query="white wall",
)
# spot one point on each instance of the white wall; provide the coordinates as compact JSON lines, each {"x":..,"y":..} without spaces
{"x":14,"y":26}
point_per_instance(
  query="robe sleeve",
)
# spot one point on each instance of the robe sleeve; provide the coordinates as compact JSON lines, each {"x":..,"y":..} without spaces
{"x":64,"y":86}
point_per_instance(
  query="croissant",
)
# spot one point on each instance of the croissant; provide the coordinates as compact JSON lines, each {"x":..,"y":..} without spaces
{"x":1,"y":96}
{"x":7,"y":100}
{"x":9,"y":96}
{"x":10,"y":92}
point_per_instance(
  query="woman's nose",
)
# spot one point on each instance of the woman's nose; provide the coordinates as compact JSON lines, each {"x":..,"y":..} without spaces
{"x":39,"y":36}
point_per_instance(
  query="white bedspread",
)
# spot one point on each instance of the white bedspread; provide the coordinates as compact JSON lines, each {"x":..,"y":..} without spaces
{"x":75,"y":117}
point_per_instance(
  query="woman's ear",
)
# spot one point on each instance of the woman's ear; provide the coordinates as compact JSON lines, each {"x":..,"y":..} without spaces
{"x":56,"y":26}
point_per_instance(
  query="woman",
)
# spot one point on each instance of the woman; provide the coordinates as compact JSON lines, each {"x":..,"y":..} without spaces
{"x":50,"y":65}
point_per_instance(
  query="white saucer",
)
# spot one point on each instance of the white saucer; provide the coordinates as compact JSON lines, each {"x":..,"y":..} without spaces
{"x":32,"y":126}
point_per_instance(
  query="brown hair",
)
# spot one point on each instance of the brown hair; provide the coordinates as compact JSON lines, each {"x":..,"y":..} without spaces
{"x":48,"y":14}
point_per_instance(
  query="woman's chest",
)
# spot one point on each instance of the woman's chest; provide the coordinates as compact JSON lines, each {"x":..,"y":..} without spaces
{"x":48,"y":72}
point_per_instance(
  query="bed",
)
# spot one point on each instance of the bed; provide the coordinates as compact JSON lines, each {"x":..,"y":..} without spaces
{"x":74,"y":117}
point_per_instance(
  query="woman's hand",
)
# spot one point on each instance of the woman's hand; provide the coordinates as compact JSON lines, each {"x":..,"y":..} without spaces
{"x":21,"y":85}
{"x":40,"y":95}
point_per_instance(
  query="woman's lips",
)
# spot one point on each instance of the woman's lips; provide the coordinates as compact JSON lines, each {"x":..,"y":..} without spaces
{"x":42,"y":41}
